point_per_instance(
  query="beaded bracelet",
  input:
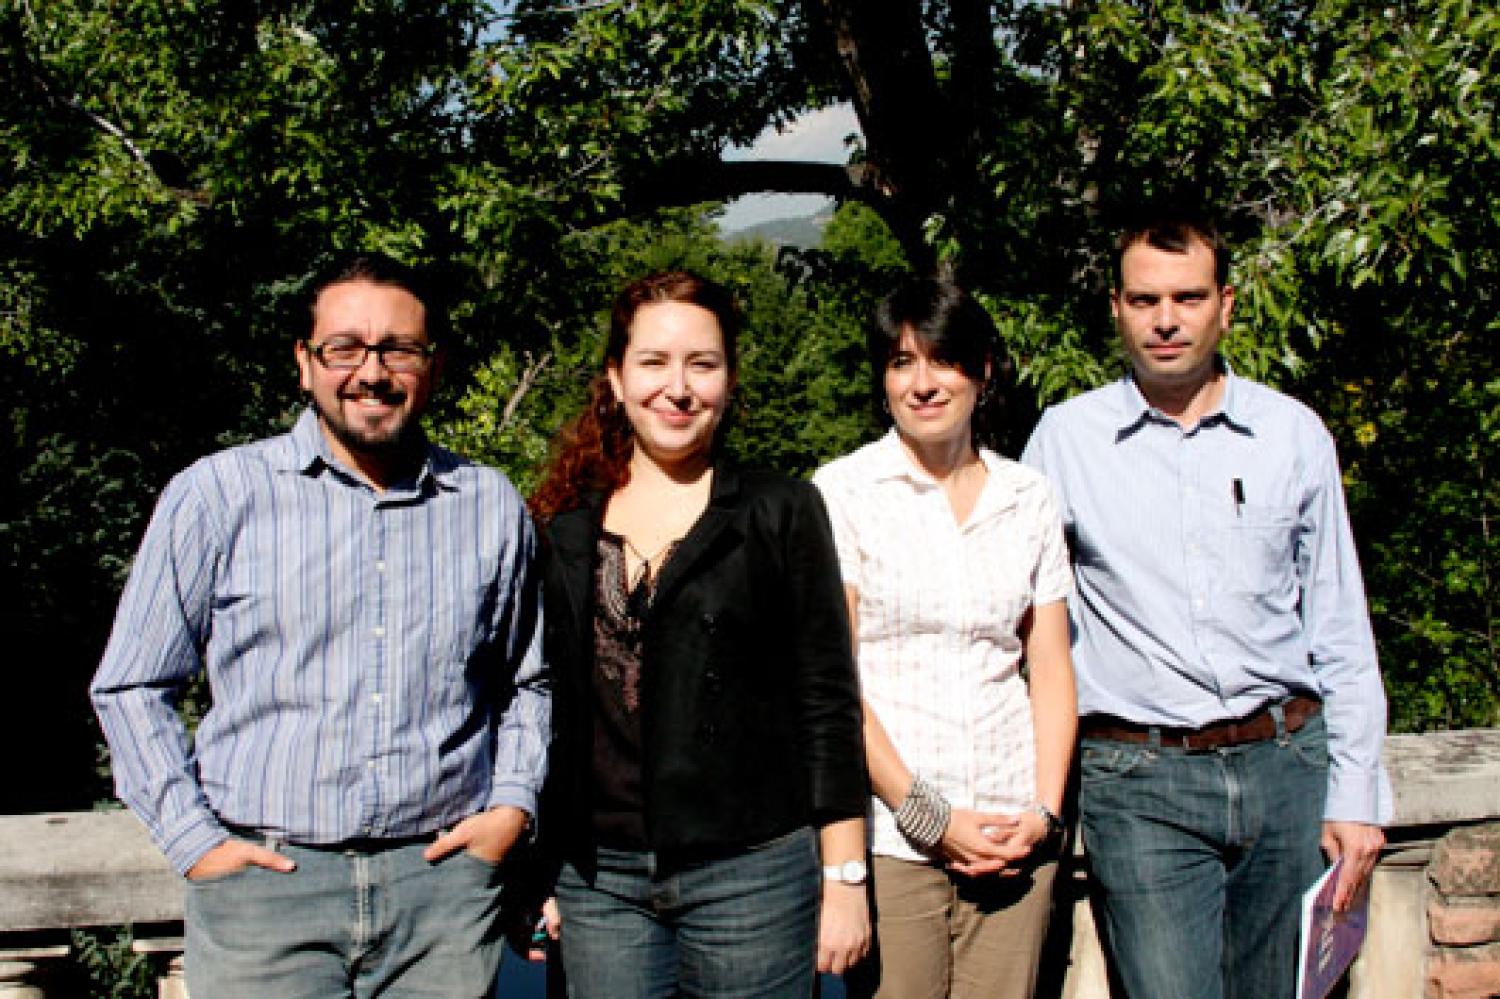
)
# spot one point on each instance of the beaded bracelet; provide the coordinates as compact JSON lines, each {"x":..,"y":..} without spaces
{"x":923,"y":815}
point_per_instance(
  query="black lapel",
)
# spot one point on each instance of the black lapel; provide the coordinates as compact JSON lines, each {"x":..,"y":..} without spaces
{"x":718,"y":518}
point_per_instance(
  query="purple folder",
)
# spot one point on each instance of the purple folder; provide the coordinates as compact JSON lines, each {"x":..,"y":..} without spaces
{"x":1330,"y":940}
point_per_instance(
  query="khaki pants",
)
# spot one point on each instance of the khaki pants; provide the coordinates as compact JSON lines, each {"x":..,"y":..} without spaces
{"x":940,"y":935}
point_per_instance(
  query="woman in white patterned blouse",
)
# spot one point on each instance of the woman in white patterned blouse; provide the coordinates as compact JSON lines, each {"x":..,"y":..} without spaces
{"x":956,"y":574}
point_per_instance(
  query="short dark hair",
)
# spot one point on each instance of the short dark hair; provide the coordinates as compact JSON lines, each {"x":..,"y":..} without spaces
{"x":944,"y":316}
{"x":954,"y":326}
{"x":380,"y":269}
{"x":1173,"y":231}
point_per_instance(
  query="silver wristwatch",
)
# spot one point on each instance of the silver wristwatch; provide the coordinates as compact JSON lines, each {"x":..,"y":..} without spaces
{"x":850,"y":872}
{"x":1054,"y":823}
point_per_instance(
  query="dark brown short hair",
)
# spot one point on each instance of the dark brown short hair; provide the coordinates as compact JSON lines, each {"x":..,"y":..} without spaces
{"x":379,"y":269}
{"x":1174,"y":232}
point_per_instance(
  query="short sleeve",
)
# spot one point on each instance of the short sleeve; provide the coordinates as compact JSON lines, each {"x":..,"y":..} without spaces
{"x":1053,"y":579}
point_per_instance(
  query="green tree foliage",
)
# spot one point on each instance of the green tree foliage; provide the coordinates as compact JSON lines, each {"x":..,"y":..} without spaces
{"x":1392,"y":265}
{"x":801,"y":395}
{"x":174,"y":173}
{"x":176,"y":170}
{"x":1349,"y":148}
{"x":1353,"y":152}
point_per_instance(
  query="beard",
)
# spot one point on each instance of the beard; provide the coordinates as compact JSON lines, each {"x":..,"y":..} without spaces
{"x":397,"y":439}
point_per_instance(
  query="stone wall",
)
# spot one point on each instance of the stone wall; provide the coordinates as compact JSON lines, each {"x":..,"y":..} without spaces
{"x":1463,"y":914}
{"x":1434,"y":929}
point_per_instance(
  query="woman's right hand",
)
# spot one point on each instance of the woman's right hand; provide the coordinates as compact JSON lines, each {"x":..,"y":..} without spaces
{"x":979,"y":843}
{"x":1007,"y":840}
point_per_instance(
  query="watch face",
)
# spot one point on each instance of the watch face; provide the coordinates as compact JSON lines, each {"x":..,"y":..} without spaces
{"x":853,"y":872}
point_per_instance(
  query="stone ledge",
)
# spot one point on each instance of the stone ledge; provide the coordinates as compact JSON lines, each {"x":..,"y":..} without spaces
{"x":1444,"y":777}
{"x":59,"y":871}
{"x":100,"y":869}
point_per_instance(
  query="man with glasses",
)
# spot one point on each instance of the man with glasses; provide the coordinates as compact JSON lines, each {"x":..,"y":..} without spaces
{"x":364,"y":605}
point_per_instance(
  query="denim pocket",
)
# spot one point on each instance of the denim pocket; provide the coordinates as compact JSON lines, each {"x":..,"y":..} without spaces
{"x":1103,"y":761}
{"x":489,"y":865}
{"x":1310,"y":744}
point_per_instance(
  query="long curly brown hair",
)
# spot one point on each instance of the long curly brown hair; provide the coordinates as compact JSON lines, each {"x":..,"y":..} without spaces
{"x":592,"y":451}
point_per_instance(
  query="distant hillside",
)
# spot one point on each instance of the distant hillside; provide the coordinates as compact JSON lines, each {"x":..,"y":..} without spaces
{"x":806,"y":232}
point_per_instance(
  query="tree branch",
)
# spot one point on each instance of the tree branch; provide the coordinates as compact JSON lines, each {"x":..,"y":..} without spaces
{"x":527,"y":381}
{"x":53,"y":97}
{"x":688,"y":184}
{"x":907,"y":124}
{"x":101,"y":123}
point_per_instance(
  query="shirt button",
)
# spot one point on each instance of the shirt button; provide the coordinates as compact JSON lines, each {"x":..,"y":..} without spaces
{"x":380,"y":566}
{"x":375,"y":698}
{"x":369,"y":764}
{"x":379,"y":631}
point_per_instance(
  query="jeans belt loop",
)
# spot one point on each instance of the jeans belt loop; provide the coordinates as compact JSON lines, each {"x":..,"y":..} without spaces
{"x":1278,"y":714}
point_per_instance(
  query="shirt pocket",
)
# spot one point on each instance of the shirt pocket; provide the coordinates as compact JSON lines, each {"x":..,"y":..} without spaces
{"x":1262,"y":549}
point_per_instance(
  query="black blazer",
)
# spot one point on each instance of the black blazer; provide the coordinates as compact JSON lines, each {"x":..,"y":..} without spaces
{"x":750,"y":713}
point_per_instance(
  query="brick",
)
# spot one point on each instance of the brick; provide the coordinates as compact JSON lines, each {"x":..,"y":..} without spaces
{"x":1467,"y":973}
{"x":1464,"y":921}
{"x":1467,"y":861}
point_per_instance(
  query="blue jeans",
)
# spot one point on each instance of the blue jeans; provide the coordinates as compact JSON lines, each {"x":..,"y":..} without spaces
{"x":346,"y":923}
{"x":1199,"y":860}
{"x":743,"y":926}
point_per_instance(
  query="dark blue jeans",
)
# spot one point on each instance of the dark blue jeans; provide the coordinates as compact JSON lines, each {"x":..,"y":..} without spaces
{"x":357,"y":923}
{"x":738,"y":927}
{"x":1199,"y":860}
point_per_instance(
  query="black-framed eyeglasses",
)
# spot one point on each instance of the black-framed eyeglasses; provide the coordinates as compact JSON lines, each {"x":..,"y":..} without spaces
{"x":348,"y":354}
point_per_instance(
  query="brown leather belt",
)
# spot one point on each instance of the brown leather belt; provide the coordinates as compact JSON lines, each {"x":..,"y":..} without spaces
{"x":1257,"y":726}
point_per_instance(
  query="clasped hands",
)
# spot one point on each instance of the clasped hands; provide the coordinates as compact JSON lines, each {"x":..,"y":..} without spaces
{"x":980,"y":843}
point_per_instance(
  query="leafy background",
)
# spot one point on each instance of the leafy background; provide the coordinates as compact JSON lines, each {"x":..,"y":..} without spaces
{"x":174,"y":171}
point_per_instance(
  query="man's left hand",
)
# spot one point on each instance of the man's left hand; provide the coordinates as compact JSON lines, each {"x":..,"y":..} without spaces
{"x":1359,"y":844}
{"x":488,"y":835}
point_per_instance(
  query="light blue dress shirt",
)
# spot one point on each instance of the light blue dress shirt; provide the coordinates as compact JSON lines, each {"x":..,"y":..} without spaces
{"x":374,"y":658}
{"x":1216,"y":571}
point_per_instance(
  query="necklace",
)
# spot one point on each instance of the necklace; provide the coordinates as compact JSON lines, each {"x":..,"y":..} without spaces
{"x":649,"y":515}
{"x":649,"y":566}
{"x":648,"y":559}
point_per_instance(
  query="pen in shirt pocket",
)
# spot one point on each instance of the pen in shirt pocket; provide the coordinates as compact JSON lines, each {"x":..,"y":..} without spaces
{"x":1237,"y":493}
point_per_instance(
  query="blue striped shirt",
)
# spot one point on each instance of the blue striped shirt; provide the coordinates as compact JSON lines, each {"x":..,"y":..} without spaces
{"x":373,"y":657}
{"x":1216,"y":571}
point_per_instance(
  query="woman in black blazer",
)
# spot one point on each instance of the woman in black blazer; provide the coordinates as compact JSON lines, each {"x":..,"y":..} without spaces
{"x":707,"y":743}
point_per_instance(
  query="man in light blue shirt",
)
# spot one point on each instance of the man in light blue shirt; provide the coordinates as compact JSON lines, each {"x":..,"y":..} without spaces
{"x":1230,"y":703}
{"x":365,"y":607}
